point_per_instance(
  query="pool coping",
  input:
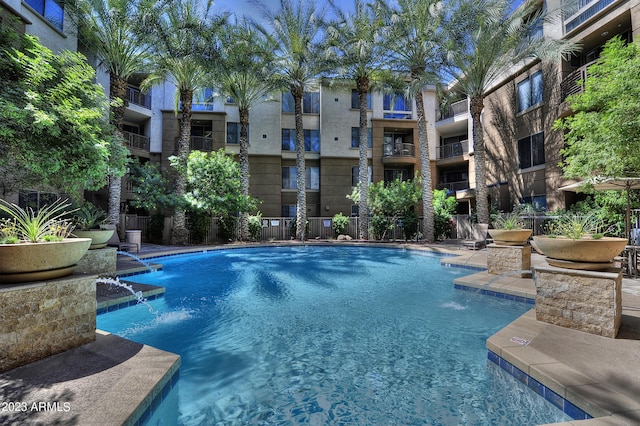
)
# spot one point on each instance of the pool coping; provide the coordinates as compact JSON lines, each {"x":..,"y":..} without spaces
{"x":111,"y":380}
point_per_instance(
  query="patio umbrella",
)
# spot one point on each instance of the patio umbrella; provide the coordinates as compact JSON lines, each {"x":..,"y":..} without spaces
{"x":608,"y":184}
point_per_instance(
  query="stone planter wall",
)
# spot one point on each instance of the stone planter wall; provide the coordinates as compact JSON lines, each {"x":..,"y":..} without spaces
{"x":514,"y":261}
{"x":582,"y":300}
{"x":98,"y":261}
{"x":41,"y":319}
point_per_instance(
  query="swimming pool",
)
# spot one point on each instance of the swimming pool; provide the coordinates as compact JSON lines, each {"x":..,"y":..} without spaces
{"x":325,"y":335}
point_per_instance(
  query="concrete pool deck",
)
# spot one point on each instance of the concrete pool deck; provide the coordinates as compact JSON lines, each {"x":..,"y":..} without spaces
{"x":113,"y":381}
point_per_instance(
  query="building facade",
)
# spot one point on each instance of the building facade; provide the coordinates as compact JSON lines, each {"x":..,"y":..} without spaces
{"x":523,"y":151}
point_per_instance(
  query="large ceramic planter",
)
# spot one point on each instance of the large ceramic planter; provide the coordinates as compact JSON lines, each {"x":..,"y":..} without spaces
{"x":510,"y":237}
{"x":585,"y":250}
{"x":26,"y":262}
{"x":99,"y":237}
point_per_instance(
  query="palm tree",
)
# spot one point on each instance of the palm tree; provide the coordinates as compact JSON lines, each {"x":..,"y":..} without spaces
{"x":486,"y":39}
{"x":183,"y":35}
{"x":295,"y":34}
{"x":415,"y":54}
{"x":107,"y":27}
{"x":354,"y":43}
{"x":244,"y":72}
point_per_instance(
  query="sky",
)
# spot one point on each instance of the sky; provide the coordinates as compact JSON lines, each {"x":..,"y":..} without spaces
{"x":248,"y":8}
{"x":243,"y":7}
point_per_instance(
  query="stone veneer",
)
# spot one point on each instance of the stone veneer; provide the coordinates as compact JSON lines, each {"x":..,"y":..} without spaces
{"x":514,"y":261}
{"x":589,"y":301}
{"x":44,"y":318}
{"x":98,"y":261}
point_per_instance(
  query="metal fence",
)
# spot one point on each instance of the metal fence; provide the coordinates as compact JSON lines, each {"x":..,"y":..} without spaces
{"x":280,"y":228}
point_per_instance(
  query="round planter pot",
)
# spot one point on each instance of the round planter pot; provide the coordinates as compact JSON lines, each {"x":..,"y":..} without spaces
{"x":26,"y":262}
{"x":600,"y":250}
{"x":99,"y":237}
{"x":510,"y":237}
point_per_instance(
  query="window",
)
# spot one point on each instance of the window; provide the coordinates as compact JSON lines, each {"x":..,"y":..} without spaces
{"x":289,"y":210}
{"x":394,"y":174}
{"x":233,"y":133}
{"x":355,"y":175}
{"x":51,"y":10}
{"x":530,"y":91}
{"x":288,"y":104}
{"x":310,"y":103}
{"x":395,"y":105}
{"x":539,"y":202}
{"x":355,"y":137}
{"x":355,"y":100}
{"x":289,"y":177}
{"x":288,"y":139}
{"x":203,"y":100}
{"x":311,"y":140}
{"x":531,"y":151}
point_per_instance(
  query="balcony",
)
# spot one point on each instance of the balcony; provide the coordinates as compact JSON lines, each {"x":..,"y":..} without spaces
{"x":456,"y":108}
{"x":201,"y":143}
{"x":135,"y":96}
{"x":452,"y":150}
{"x":399,"y":153}
{"x":134,"y":141}
{"x":454,"y":186}
{"x":588,"y":9}
{"x":574,"y":82}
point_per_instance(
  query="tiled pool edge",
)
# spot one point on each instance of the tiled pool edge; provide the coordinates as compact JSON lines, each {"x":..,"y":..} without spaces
{"x":497,"y":294}
{"x":160,"y":392}
{"x":558,"y":401}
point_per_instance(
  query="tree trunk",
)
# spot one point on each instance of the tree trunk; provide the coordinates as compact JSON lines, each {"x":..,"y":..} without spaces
{"x":428,"y":222}
{"x":118,"y":96}
{"x":363,"y":164}
{"x":301,"y":172}
{"x":482,"y":201}
{"x":244,"y":170}
{"x":179,"y":233}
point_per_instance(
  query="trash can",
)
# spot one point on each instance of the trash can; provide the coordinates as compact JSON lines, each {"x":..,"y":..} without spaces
{"x":134,"y":236}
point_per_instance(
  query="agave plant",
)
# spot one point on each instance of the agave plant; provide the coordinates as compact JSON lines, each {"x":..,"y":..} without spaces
{"x":90,"y":216}
{"x":575,"y":227}
{"x":47,"y":224}
{"x":508,"y":221}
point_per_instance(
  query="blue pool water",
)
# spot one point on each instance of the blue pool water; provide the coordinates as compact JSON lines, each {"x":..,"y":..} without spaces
{"x":327,"y":335}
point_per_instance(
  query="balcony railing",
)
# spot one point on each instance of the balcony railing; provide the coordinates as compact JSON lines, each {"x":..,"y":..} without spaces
{"x":460,"y":107}
{"x":201,"y":143}
{"x":588,"y":9}
{"x":452,"y":149}
{"x":574,"y":82}
{"x":399,"y":150}
{"x":454,"y":186}
{"x":135,"y":96}
{"x":136,"y":141}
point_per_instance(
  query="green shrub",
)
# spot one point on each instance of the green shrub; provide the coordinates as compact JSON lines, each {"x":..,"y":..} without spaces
{"x":155,"y":230}
{"x":410,"y":225}
{"x":379,"y":225}
{"x":227,"y":228}
{"x":198,"y":224}
{"x":339,"y":223}
{"x":255,"y":227}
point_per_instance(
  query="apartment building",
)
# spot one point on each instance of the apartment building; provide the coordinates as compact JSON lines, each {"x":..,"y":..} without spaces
{"x":523,"y":151}
{"x":330,"y":121}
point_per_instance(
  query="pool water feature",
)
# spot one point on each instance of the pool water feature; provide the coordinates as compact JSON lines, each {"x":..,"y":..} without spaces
{"x":325,"y":335}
